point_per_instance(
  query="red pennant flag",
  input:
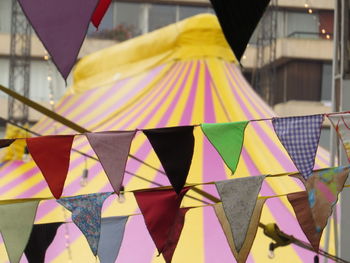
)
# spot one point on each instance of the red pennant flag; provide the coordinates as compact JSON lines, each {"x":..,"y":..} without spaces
{"x":160,"y":209}
{"x":52,"y":154}
{"x":100,"y":12}
{"x":300,"y":204}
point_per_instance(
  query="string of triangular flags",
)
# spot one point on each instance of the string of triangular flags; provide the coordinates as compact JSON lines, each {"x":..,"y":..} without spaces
{"x":238,"y":214}
{"x":174,"y":147}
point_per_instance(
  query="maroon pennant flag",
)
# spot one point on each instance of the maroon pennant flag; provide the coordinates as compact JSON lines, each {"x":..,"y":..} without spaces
{"x":52,"y":155}
{"x":112,"y":149}
{"x":163,"y":217}
{"x":61,"y":26}
{"x":300,"y":204}
{"x":174,"y":235}
{"x":100,"y":12}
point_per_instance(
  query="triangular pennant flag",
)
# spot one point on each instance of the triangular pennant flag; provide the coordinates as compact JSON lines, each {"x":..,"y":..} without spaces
{"x":341,"y":123}
{"x":300,"y":137}
{"x":86,"y":214}
{"x":238,"y":198}
{"x":52,"y":155}
{"x":323,"y":188}
{"x":112,"y":149}
{"x":300,"y":204}
{"x":40,"y":239}
{"x":112,"y":233}
{"x":174,"y":236}
{"x":61,"y":26}
{"x":242,"y":255}
{"x":16,"y":223}
{"x":100,"y":11}
{"x":6,"y":142}
{"x":160,"y":209}
{"x":238,"y":20}
{"x":227,"y":138}
{"x":174,"y":147}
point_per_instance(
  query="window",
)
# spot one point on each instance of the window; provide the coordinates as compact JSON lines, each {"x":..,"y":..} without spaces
{"x":187,"y":11}
{"x":302,"y":25}
{"x":122,"y":21}
{"x":326,"y":90}
{"x":5,"y":16}
{"x":39,"y":89}
{"x":161,"y":15}
{"x":128,"y":15}
{"x":4,"y":73}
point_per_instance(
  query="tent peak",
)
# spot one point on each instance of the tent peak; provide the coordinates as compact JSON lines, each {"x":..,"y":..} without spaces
{"x":195,"y":37}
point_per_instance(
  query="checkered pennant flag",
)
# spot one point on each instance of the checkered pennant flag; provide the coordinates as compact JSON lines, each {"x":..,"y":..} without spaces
{"x":300,"y":137}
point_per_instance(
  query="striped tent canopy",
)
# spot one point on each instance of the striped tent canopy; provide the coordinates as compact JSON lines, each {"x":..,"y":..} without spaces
{"x":182,"y":74}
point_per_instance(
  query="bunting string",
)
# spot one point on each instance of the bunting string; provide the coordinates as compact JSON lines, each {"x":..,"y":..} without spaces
{"x":22,"y":200}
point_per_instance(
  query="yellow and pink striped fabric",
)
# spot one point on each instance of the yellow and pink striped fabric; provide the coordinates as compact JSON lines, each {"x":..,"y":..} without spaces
{"x":175,"y":91}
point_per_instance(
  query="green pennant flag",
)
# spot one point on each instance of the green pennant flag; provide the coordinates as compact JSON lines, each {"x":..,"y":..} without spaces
{"x":16,"y":223}
{"x":227,"y":138}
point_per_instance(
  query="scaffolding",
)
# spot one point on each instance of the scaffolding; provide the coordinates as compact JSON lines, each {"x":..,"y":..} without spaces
{"x":264,"y":75}
{"x":19,"y":73}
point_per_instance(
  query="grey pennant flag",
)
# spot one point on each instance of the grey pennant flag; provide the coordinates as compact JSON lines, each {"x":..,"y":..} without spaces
{"x":112,"y":233}
{"x":238,"y":198}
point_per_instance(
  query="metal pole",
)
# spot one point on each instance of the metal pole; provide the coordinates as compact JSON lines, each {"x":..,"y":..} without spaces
{"x":333,"y":138}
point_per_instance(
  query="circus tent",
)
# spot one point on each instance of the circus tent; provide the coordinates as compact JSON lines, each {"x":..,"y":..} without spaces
{"x":182,"y":74}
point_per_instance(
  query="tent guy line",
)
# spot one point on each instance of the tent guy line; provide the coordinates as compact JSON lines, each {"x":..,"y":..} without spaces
{"x":53,"y":115}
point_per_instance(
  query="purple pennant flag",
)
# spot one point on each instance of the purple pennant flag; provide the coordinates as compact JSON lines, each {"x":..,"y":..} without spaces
{"x":61,"y":26}
{"x":86,"y":214}
{"x":112,"y":149}
{"x":300,"y":137}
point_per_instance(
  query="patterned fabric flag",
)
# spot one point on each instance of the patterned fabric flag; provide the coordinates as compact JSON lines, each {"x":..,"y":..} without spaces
{"x":323,"y":188}
{"x":160,"y":209}
{"x":61,"y":26}
{"x":52,"y":155}
{"x":341,"y":123}
{"x":112,"y":233}
{"x":174,"y":147}
{"x":16,"y":223}
{"x":86,"y":214}
{"x":6,"y":142}
{"x":227,"y":138}
{"x":100,"y":12}
{"x":300,"y":204}
{"x":300,"y":137}
{"x":238,"y":198}
{"x":112,"y":149}
{"x":40,"y":239}
{"x":240,"y":256}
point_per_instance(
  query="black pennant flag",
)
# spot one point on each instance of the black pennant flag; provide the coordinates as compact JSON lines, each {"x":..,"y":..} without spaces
{"x":238,"y":20}
{"x":174,"y":147}
{"x":40,"y":239}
